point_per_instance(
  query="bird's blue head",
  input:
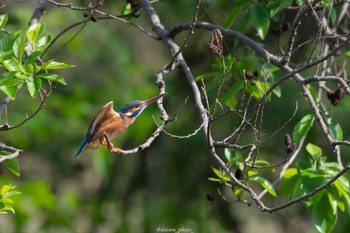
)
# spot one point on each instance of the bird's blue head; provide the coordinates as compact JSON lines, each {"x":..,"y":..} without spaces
{"x":134,"y":109}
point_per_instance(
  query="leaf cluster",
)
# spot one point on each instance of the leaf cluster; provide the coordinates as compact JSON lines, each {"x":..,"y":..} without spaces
{"x":21,"y":62}
{"x":311,"y":174}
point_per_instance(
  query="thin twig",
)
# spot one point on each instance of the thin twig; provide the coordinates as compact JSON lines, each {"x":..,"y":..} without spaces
{"x":195,"y":17}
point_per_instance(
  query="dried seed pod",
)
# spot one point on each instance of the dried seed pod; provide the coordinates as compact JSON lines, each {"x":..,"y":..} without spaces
{"x":338,"y":53}
{"x":285,"y":27}
{"x":215,"y":45}
{"x":238,"y":174}
{"x":287,"y":140}
{"x":290,"y":149}
{"x":276,"y":31}
{"x":93,"y":18}
{"x":248,"y":75}
{"x":339,"y":93}
{"x":336,"y":96}
{"x":85,"y":15}
{"x":210,"y":197}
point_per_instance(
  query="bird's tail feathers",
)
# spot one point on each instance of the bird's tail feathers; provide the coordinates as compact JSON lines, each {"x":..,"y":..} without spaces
{"x":81,"y":147}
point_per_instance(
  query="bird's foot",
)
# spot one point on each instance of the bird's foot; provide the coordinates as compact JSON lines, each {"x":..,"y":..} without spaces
{"x":110,"y":146}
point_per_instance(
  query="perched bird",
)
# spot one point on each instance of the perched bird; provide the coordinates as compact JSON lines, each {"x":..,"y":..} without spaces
{"x":112,"y":123}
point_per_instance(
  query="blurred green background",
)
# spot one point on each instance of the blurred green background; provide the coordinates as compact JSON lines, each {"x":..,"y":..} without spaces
{"x":165,"y":185}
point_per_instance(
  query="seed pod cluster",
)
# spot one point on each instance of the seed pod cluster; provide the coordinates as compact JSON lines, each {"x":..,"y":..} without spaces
{"x":336,"y":96}
{"x":250,"y":75}
{"x":290,"y":146}
{"x":277,"y":30}
{"x":287,"y":139}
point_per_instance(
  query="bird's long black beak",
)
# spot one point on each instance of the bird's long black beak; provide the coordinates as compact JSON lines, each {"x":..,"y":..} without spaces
{"x":152,"y":100}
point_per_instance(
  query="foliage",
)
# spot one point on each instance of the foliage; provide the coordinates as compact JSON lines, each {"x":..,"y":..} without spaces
{"x":242,"y":172}
{"x":20,"y":70}
{"x":310,"y":174}
{"x":21,"y":63}
{"x":6,"y":204}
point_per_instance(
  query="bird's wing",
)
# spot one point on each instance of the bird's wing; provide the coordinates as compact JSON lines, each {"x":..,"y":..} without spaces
{"x":101,"y":117}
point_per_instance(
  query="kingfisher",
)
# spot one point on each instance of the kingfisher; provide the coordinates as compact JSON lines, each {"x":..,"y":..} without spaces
{"x":109,"y":123}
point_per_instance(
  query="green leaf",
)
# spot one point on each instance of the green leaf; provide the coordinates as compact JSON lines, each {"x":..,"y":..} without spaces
{"x":6,"y":200}
{"x":10,"y":91}
{"x":347,"y":53}
{"x":7,"y":76}
{"x":33,"y":85}
{"x":5,"y":188}
{"x":314,"y":151}
{"x":258,"y":90}
{"x":342,"y":192}
{"x":260,"y":163}
{"x":265,"y":184}
{"x":333,"y":16}
{"x":11,"y":193}
{"x":12,"y":64}
{"x":53,"y":77}
{"x":269,"y":69}
{"x":32,"y":57}
{"x":335,"y":200}
{"x":260,"y":19}
{"x":35,"y":31}
{"x":13,"y":166}
{"x":208,"y":75}
{"x":229,"y":154}
{"x":313,"y":174}
{"x":234,"y":157}
{"x":290,"y":172}
{"x":238,"y":192}
{"x":43,"y":42}
{"x":234,"y":12}
{"x":302,"y":127}
{"x":18,"y":47}
{"x":6,"y":55}
{"x":7,"y":41}
{"x":14,"y":81}
{"x":252,"y":173}
{"x":54,"y":65}
{"x":214,"y":179}
{"x":3,"y":20}
{"x":323,"y":216}
{"x":277,"y":91}
{"x":279,"y":6}
{"x":29,"y":68}
{"x":7,"y":208}
{"x":126,"y":10}
{"x":228,"y":97}
{"x":299,"y":2}
{"x":312,"y":92}
{"x":223,"y":176}
{"x":334,"y":129}
{"x":243,"y":25}
{"x":291,"y":186}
